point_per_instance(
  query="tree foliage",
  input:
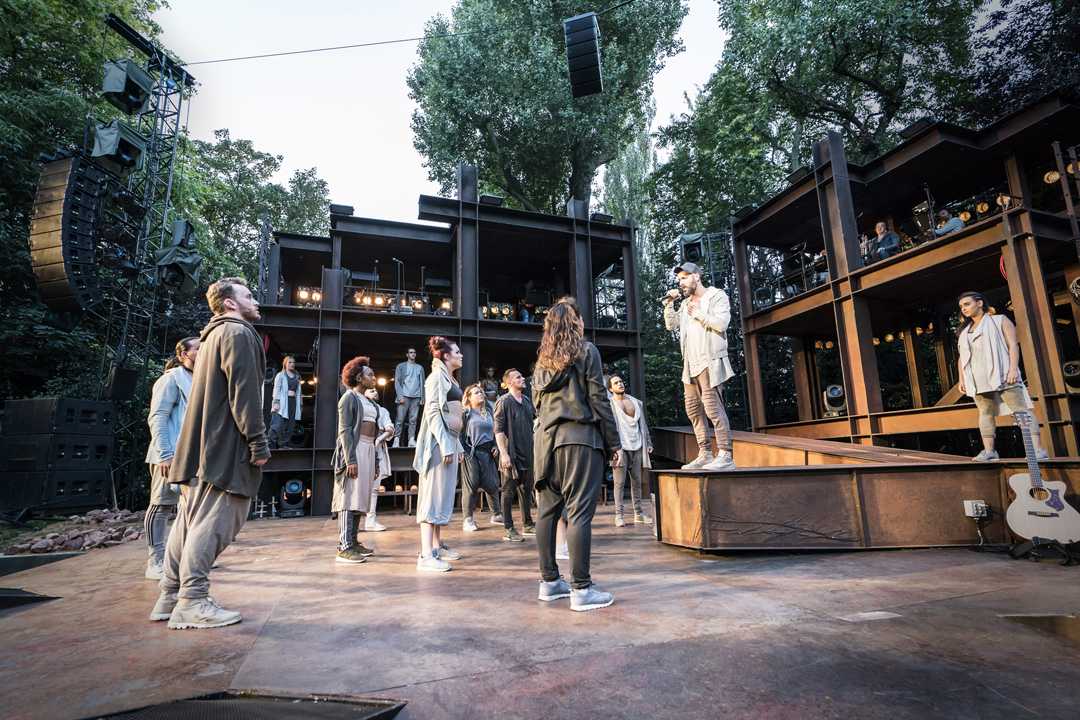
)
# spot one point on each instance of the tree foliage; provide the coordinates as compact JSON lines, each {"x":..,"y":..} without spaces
{"x":498,"y":95}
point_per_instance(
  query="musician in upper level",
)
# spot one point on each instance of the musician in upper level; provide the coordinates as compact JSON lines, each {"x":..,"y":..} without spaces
{"x":884,"y":244}
{"x":989,"y":371}
{"x":947,"y":223}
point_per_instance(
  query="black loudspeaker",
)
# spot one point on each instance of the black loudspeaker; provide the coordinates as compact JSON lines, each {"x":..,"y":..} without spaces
{"x":38,"y":453}
{"x":583,"y":54}
{"x":69,"y":491}
{"x":62,"y":229}
{"x":126,"y":86}
{"x":121,"y":383}
{"x":1071,"y":371}
{"x":64,"y":416}
{"x":118,"y":146}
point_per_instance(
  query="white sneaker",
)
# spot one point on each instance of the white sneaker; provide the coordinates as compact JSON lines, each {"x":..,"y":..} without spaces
{"x":620,"y":521}
{"x":723,"y":461}
{"x":372,"y":525}
{"x":497,"y":519}
{"x":201,"y":614}
{"x":164,"y":606}
{"x":154,"y":570}
{"x":699,"y":462}
{"x":469,"y":525}
{"x":446,"y":553}
{"x":562,"y":552}
{"x":431,"y":564}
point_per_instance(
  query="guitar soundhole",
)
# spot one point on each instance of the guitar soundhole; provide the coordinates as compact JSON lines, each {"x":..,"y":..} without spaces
{"x":1040,"y":494}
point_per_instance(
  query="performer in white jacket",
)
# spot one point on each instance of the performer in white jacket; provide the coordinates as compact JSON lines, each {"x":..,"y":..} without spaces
{"x":285,"y":408}
{"x":168,"y":403}
{"x":702,"y":321}
{"x":636,"y":447}
{"x":382,"y":458}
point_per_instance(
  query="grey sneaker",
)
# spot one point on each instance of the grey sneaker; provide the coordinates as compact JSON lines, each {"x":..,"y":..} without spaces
{"x":373,"y":525}
{"x":350,"y":555}
{"x":154,"y":570}
{"x":723,"y":461}
{"x":163,"y":607}
{"x":986,"y":456}
{"x":201,"y":614}
{"x":699,"y":462}
{"x":468,"y":525}
{"x":554,"y":590}
{"x":513,"y":535}
{"x":589,"y":598}
{"x":620,"y":521}
{"x":445,"y":553}
{"x":431,"y":564}
{"x":642,"y":519}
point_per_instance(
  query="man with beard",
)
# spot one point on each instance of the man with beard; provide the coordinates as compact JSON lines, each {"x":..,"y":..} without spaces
{"x":220,"y":452}
{"x":702,"y":321}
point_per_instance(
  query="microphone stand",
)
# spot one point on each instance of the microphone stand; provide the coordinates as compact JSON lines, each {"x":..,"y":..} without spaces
{"x":929,"y":210}
{"x":399,"y":272}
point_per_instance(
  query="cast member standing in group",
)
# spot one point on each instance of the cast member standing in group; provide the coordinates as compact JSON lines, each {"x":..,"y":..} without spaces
{"x":409,"y":388}
{"x":514,"y":417}
{"x":382,"y":458}
{"x":285,"y":408}
{"x":636,"y":447}
{"x":438,"y":455}
{"x":479,"y":472}
{"x":989,"y":370}
{"x":219,"y":457}
{"x":577,"y":433}
{"x":702,"y":321}
{"x":354,"y":457}
{"x":168,"y":401}
{"x":491,"y":385}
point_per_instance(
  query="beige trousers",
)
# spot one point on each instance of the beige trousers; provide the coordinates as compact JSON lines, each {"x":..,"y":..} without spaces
{"x":207,"y":521}
{"x":702,"y":400}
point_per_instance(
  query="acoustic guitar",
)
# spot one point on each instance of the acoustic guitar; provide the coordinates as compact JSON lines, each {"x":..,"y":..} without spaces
{"x":1039,"y":509}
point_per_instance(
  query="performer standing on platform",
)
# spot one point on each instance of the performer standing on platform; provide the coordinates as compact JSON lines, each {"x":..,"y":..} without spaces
{"x":479,"y":472}
{"x":575,"y":433}
{"x":409,"y":388}
{"x":438,"y":454}
{"x":168,"y":402}
{"x":490,"y":385}
{"x":382,"y":457}
{"x":702,"y":321}
{"x":285,"y":409}
{"x":354,"y":460}
{"x":989,"y":370}
{"x":636,"y":447}
{"x":219,"y":457}
{"x":514,"y":418}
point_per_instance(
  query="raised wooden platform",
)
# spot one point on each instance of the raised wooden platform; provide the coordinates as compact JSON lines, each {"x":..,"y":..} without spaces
{"x":796,"y":493}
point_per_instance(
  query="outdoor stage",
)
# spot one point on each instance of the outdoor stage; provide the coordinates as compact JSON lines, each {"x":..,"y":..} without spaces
{"x":777,"y":635}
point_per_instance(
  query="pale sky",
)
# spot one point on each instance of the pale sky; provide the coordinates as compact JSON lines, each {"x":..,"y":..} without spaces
{"x":347,"y":112}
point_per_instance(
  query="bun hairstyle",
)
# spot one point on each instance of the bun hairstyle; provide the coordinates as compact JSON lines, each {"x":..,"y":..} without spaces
{"x":439,"y":346}
{"x":350,"y":374}
{"x":181,"y":347}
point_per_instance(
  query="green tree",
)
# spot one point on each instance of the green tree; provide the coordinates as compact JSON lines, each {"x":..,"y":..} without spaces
{"x":498,"y":95}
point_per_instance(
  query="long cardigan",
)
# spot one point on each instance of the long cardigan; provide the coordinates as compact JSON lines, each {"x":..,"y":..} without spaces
{"x":434,"y":440}
{"x":168,"y":403}
{"x":281,"y":395}
{"x":714,"y":314}
{"x":642,"y":426}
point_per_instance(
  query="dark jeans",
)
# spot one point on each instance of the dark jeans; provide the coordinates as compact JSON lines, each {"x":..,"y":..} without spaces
{"x":479,"y":473}
{"x":574,"y":486}
{"x":281,"y":431}
{"x":522,"y":485}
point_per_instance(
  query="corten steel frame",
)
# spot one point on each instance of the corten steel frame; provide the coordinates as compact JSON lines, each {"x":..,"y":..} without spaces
{"x":1019,"y":237}
{"x":333,"y":322}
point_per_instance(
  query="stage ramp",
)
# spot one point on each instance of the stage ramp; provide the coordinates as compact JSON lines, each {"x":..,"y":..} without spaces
{"x":800,"y":494}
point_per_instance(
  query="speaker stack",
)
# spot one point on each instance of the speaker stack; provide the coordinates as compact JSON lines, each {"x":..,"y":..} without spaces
{"x":582,"y":33}
{"x":55,"y":454}
{"x":62,"y":231}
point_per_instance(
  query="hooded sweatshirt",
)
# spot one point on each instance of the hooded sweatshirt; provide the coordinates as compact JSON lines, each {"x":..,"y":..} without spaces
{"x":223,"y":430}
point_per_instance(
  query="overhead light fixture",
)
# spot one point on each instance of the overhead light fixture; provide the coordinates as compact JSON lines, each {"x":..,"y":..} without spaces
{"x":1051,"y":177}
{"x":965,"y":215}
{"x":983,"y":207}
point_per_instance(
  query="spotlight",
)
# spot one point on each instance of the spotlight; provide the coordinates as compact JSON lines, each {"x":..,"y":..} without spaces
{"x":445,"y":305}
{"x":303,"y":294}
{"x":506,"y":310}
{"x":381,"y":382}
{"x":835,"y":402}
{"x":380,"y":301}
{"x":1003,"y":201}
{"x":889,"y":337}
{"x":1070,"y":168}
{"x":918,"y":330}
{"x":601,"y":218}
{"x":1051,"y":177}
{"x":366,"y":300}
{"x":493,"y":200}
{"x":983,"y":207}
{"x":829,"y":344}
{"x":316,"y":296}
{"x":965,"y":215}
{"x":357,"y":298}
{"x":314,"y":380}
{"x":292,"y":498}
{"x":877,"y":341}
{"x":819,"y":345}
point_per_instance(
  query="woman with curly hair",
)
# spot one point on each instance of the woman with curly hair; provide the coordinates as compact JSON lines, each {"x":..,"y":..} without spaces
{"x":438,"y":454}
{"x":576,"y":433}
{"x":354,"y":459}
{"x":479,"y":472}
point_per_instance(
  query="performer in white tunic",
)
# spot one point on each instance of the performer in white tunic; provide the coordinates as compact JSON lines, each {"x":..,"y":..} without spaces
{"x":354,"y":457}
{"x":438,"y":454}
{"x":989,"y":370}
{"x":382,"y":457}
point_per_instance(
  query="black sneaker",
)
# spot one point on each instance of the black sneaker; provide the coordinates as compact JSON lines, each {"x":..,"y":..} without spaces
{"x":513,"y":535}
{"x":529,"y":530}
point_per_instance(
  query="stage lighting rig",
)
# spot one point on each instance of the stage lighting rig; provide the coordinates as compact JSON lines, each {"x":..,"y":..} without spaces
{"x":293,"y":497}
{"x":835,"y":401}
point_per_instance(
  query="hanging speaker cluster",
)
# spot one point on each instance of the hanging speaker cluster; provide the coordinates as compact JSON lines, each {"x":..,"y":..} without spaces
{"x":583,"y":54}
{"x":62,"y":233}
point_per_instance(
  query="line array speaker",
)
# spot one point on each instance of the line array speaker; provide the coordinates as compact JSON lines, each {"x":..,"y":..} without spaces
{"x":583,"y":54}
{"x":64,"y":416}
{"x":62,"y":235}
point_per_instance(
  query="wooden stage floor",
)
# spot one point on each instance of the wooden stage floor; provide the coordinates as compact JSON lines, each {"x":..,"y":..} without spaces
{"x":766,"y":635}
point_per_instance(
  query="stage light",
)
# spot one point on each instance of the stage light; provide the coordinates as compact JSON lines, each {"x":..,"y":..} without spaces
{"x":381,"y":382}
{"x":316,"y":296}
{"x":303,"y":294}
{"x":829,"y":344}
{"x":357,"y":298}
{"x":877,"y":341}
{"x":901,"y":335}
{"x":1051,"y":177}
{"x":965,"y":216}
{"x":1071,"y":169}
{"x":835,"y":401}
{"x":983,"y":207}
{"x":889,"y":337}
{"x":1071,"y":371}
{"x":819,"y":345}
{"x":404,"y":302}
{"x":379,"y":301}
{"x":445,"y":305}
{"x":506,"y":310}
{"x":484,"y":310}
{"x":1063,"y":321}
{"x":1003,"y":201}
{"x":918,"y":330}
{"x":366,"y":300}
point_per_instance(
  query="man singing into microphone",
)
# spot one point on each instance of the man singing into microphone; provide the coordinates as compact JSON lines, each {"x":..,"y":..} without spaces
{"x":702,"y":321}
